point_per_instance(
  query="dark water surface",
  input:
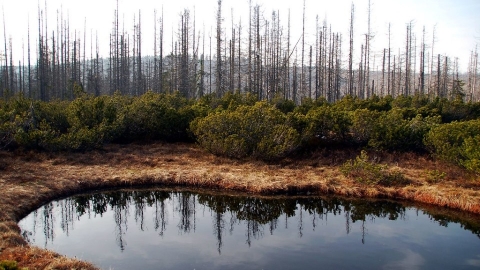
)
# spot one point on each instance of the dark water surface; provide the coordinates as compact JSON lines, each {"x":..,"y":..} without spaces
{"x":170,"y":229}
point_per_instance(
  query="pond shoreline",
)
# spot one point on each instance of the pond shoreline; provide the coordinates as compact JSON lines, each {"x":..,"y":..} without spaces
{"x":31,"y":179}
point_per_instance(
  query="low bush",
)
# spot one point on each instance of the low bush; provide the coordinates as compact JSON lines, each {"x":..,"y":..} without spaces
{"x":326,"y":125}
{"x":156,"y":117}
{"x":393,"y":130}
{"x":8,"y":265}
{"x":367,"y":172}
{"x":471,"y":153}
{"x":260,"y":131}
{"x":456,"y":142}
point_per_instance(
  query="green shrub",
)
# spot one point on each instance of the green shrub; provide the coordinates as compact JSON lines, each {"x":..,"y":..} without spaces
{"x":8,"y":265}
{"x":396,"y":131}
{"x":471,"y":153}
{"x":156,"y":117}
{"x":364,"y":125}
{"x":219,"y":133}
{"x":258,"y":130}
{"x":284,"y":105}
{"x":15,"y":114}
{"x":454,"y":142}
{"x":366,"y":172}
{"x":435,"y":176}
{"x":282,"y":141}
{"x":41,"y":137}
{"x":326,"y":125}
{"x":392,"y":130}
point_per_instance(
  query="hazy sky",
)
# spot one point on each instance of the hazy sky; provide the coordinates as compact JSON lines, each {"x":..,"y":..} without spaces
{"x":457,"y":22}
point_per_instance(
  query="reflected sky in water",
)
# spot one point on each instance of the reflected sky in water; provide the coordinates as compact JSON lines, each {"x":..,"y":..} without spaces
{"x":165,"y":229}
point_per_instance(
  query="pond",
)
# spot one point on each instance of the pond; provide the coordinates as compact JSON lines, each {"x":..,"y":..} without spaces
{"x":181,"y":229}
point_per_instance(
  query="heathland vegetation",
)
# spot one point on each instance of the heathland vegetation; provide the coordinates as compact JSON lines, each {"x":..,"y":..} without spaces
{"x":240,"y":126}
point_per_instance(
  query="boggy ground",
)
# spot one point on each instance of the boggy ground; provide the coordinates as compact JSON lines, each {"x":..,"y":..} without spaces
{"x":30,"y":179}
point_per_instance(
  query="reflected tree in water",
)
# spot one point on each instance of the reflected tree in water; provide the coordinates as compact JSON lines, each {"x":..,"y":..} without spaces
{"x":186,"y":209}
{"x":254,"y":213}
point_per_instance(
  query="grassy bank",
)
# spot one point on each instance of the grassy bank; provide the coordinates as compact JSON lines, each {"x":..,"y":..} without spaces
{"x":30,"y":179}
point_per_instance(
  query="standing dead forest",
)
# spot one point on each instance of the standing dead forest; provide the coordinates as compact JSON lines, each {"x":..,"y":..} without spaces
{"x":256,"y":55}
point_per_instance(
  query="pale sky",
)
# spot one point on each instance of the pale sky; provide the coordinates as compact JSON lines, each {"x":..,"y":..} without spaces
{"x":457,"y":22}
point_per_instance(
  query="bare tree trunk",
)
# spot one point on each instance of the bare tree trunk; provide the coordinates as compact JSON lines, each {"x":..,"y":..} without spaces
{"x":389,"y":90}
{"x":422,"y":64}
{"x":350,"y":55}
{"x":141,"y":82}
{"x":5,"y":68}
{"x":431,"y":78}
{"x":232,"y":56}
{"x":414,"y":56}
{"x":30,"y":94}
{"x":155,"y":55}
{"x":361,"y":76}
{"x":201,"y":90}
{"x":393,"y":77}
{"x":250,"y":83}
{"x":367,"y":53}
{"x":302,"y":78}
{"x":317,"y":61}
{"x":338,"y":67}
{"x":438,"y":77}
{"x":160,"y":68}
{"x":84,"y":52}
{"x":310,"y":75}
{"x":258,"y":54}
{"x":287,"y":60}
{"x":399,"y":81}
{"x":12,"y":72}
{"x":382,"y":88}
{"x":407,"y":58}
{"x":219,"y":88}
{"x":239,"y":55}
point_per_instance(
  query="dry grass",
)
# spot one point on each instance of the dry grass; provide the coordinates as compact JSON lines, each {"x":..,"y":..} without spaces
{"x":30,"y":179}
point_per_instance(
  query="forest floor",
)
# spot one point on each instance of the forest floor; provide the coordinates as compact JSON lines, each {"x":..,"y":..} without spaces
{"x":31,"y":179}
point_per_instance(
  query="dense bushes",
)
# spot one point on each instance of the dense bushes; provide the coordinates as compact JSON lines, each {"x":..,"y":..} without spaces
{"x":238,"y":125}
{"x":155,"y":117}
{"x":327,"y":125}
{"x":88,"y":122}
{"x":457,"y":142}
{"x":260,"y":130}
{"x":392,"y":130}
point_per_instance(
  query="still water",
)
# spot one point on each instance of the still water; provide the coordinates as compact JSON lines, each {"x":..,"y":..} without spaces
{"x":172,"y":229}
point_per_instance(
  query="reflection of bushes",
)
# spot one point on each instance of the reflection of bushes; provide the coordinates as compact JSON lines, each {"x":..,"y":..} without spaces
{"x":261,"y":210}
{"x":258,"y":210}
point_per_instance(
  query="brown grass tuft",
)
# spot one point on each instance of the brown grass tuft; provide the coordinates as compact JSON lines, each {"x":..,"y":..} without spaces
{"x":11,"y":239}
{"x":36,"y":258}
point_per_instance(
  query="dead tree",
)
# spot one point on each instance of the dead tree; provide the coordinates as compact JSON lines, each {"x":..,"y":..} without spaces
{"x":350,"y":55}
{"x":219,"y":73}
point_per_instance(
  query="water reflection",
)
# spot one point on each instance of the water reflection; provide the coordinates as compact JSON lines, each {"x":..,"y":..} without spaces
{"x":259,"y":215}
